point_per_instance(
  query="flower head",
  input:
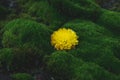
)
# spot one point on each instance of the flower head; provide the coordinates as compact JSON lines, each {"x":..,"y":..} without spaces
{"x":64,"y":39}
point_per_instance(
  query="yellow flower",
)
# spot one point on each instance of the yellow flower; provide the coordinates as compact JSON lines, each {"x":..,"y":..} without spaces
{"x":64,"y":39}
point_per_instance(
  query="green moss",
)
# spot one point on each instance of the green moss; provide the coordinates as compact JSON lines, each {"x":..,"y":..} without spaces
{"x":28,"y":58}
{"x":98,"y":54}
{"x":43,"y":12}
{"x":63,"y":65}
{"x":21,"y":59}
{"x":60,"y":65}
{"x":87,"y":30}
{"x":22,"y":76}
{"x":22,"y":32}
{"x":117,"y":49}
{"x":6,"y":57}
{"x":104,"y":53}
{"x":110,"y":20}
{"x":77,"y":8}
{"x":98,"y":43}
{"x":30,"y":42}
{"x":109,"y":62}
{"x":90,"y":71}
{"x":26,"y":41}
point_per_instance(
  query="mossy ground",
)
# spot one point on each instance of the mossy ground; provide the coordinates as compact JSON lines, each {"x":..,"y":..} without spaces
{"x":25,"y":47}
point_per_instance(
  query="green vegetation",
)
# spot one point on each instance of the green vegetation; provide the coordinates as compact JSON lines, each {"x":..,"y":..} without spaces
{"x":22,"y":76}
{"x":21,"y":32}
{"x":78,"y":8}
{"x":63,"y":65}
{"x":60,"y":65}
{"x":21,"y":59}
{"x":111,"y":20}
{"x":25,"y":40}
{"x":6,"y":57}
{"x":96,"y":42}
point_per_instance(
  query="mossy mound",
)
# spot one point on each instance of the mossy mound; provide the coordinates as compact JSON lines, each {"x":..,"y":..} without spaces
{"x":60,"y":65}
{"x":21,"y":59}
{"x":46,"y":13}
{"x":77,"y":8}
{"x":98,"y":54}
{"x":97,"y":42}
{"x":110,"y":20}
{"x":87,"y":30}
{"x":43,"y":12}
{"x":6,"y":56}
{"x":63,"y":65}
{"x":91,"y":71}
{"x":22,"y":32}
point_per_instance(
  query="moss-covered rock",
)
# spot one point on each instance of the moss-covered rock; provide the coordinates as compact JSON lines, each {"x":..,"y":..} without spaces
{"x":77,"y":8}
{"x":25,"y":42}
{"x":6,"y":57}
{"x":60,"y":65}
{"x":90,"y":71}
{"x":110,"y":20}
{"x":22,"y":32}
{"x":63,"y":65}
{"x":21,"y":59}
{"x":109,"y":62}
{"x":87,"y":30}
{"x":97,"y":42}
{"x":45,"y":13}
{"x":98,"y":54}
{"x":30,"y":42}
{"x":28,"y":59}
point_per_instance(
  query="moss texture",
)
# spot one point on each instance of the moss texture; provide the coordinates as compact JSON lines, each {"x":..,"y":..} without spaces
{"x":63,"y":65}
{"x":22,"y":32}
{"x":78,"y":8}
{"x":111,"y":20}
{"x":25,"y":40}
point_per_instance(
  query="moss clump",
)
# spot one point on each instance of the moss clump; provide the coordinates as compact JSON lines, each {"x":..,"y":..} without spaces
{"x":110,"y":20}
{"x":98,"y":54}
{"x":97,"y":42}
{"x":62,"y":65}
{"x":87,"y":30}
{"x":45,"y":13}
{"x":28,"y":58}
{"x":22,"y":32}
{"x":22,"y":76}
{"x":77,"y":8}
{"x":90,"y":71}
{"x":21,"y":59}
{"x":109,"y":62}
{"x":6,"y":57}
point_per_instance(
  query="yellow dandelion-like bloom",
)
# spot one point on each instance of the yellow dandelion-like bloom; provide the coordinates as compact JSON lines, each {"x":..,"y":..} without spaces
{"x":64,"y":39}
